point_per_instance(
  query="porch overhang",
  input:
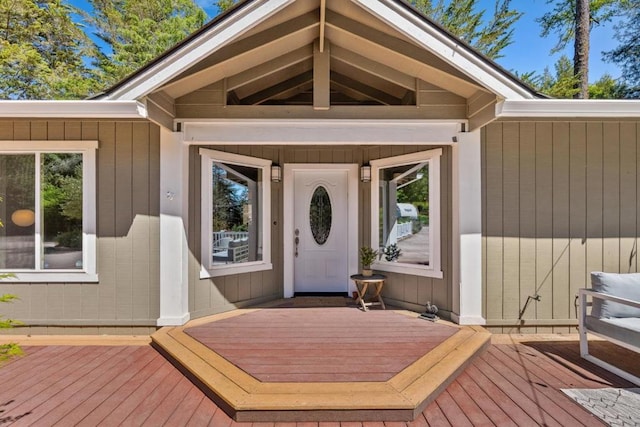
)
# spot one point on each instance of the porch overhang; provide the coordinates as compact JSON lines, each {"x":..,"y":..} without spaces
{"x":323,"y":132}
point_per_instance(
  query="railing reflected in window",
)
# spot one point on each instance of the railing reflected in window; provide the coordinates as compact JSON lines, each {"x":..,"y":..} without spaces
{"x":404,"y":213}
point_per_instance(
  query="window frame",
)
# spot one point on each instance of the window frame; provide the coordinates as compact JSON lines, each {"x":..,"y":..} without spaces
{"x":88,"y":273}
{"x":207,"y":269}
{"x":434,"y":268}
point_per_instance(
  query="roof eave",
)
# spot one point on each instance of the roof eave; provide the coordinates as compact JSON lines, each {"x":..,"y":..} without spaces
{"x":568,"y":108}
{"x":89,"y":109}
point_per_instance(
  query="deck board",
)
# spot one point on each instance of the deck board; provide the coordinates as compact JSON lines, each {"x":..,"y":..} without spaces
{"x":284,"y":345}
{"x":514,"y":384}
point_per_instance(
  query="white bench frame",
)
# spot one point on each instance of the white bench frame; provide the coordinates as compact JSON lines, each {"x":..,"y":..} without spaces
{"x":584,"y":342}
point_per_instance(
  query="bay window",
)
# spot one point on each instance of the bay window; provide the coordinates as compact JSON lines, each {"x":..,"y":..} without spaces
{"x":405,"y":198}
{"x":236,"y":206}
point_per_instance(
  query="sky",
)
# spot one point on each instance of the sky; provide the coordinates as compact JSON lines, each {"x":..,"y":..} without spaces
{"x":529,"y":51}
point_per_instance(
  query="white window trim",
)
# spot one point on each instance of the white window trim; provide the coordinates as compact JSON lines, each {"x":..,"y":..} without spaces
{"x":207,"y":269}
{"x":434,"y":268}
{"x":88,"y":274}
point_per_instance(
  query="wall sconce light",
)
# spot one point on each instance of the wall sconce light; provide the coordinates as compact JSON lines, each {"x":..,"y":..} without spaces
{"x":276,"y":173}
{"x":365,"y":173}
{"x":23,"y":217}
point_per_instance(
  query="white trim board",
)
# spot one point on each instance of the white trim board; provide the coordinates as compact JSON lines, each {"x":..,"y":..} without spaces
{"x":321,"y":132}
{"x":98,"y":109}
{"x":568,"y":108}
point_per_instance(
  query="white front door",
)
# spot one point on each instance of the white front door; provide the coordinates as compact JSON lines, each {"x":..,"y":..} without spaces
{"x":320,"y":230}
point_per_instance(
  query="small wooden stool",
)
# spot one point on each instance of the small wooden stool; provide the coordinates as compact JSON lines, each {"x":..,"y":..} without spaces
{"x":362,"y":284}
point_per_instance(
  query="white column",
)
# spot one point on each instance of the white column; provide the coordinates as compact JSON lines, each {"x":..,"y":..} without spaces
{"x":174,"y":194}
{"x":467,"y":230}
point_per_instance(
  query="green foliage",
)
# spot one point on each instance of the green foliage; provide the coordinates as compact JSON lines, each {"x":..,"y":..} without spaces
{"x":228,"y":202}
{"x":464,"y":19}
{"x":224,"y":5}
{"x":367,"y":256}
{"x":562,"y":83}
{"x":137,"y":31}
{"x":561,"y":19}
{"x":627,"y":54}
{"x":42,"y":51}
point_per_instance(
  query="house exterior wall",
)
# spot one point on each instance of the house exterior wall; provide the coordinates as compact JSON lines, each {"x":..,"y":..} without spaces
{"x":560,"y":199}
{"x":126,"y":299}
{"x":218,"y":294}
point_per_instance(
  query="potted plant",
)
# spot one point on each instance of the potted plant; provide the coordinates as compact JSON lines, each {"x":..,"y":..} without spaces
{"x":392,"y":253}
{"x":367,"y":257}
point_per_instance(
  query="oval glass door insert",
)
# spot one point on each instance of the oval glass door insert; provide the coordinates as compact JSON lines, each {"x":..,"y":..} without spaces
{"x":320,"y":215}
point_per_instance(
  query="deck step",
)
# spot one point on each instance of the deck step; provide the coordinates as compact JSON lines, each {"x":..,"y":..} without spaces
{"x":246,"y":399}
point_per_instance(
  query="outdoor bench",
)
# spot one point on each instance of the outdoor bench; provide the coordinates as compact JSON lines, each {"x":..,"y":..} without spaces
{"x":614,"y":316}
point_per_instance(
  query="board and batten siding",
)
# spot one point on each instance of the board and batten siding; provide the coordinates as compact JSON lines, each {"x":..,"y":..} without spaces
{"x":560,"y":199}
{"x":127,"y":298}
{"x":219,"y":294}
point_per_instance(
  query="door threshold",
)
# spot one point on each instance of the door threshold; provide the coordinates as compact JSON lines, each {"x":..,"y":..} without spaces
{"x":321,"y":294}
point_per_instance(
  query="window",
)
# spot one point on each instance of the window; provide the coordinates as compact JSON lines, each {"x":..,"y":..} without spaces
{"x":405,"y":200}
{"x":236,"y":207}
{"x":47,"y":209}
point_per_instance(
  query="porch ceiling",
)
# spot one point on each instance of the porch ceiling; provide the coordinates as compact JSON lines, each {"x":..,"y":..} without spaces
{"x":367,"y":63}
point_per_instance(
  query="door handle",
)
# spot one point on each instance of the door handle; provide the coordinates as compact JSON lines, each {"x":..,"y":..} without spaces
{"x":297,"y":241}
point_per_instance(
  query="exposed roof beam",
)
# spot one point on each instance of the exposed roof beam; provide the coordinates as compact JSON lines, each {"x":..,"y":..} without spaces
{"x":367,"y":91}
{"x":307,"y":87}
{"x":246,"y":53}
{"x":393,"y":52}
{"x":321,"y":74}
{"x":272,"y":79}
{"x":372,"y":67}
{"x":323,"y":21}
{"x":278,"y":89}
{"x":270,"y":67}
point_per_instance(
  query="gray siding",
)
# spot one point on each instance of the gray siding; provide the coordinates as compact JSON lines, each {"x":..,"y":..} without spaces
{"x":126,"y":300}
{"x":560,"y":199}
{"x":209,"y":296}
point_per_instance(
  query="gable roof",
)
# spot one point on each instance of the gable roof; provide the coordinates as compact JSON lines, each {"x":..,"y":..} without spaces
{"x":393,"y":29}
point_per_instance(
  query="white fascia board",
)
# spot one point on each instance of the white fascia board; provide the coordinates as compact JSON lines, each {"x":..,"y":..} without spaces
{"x":73,"y":109}
{"x":433,"y":40}
{"x":569,"y":108}
{"x":322,"y":132}
{"x":198,"y":49}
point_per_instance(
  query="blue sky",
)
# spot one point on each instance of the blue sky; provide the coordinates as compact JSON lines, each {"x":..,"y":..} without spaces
{"x":529,"y":52}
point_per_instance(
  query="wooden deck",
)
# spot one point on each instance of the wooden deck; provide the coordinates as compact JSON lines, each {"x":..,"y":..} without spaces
{"x":321,"y":344}
{"x":321,"y":364}
{"x":516,"y":384}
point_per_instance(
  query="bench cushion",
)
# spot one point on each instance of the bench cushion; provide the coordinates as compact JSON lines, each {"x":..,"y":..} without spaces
{"x":626,"y":329}
{"x":619,"y":285}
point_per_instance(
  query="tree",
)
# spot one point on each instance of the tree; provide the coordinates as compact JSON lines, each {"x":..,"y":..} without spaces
{"x":42,"y":52}
{"x":572,"y":20}
{"x":224,"y":5}
{"x":559,"y":84}
{"x":463,"y":19}
{"x":137,"y":31}
{"x":562,"y":83}
{"x":627,"y":54}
